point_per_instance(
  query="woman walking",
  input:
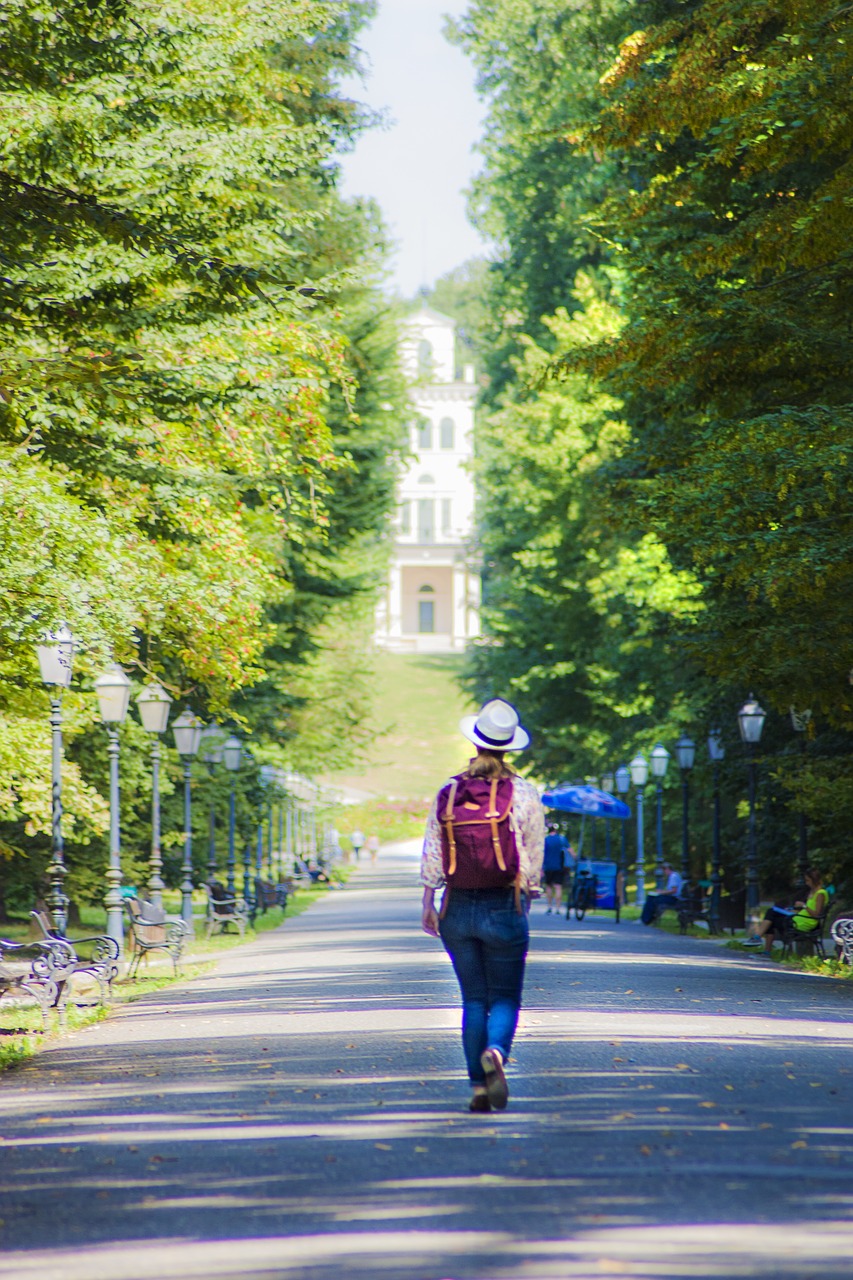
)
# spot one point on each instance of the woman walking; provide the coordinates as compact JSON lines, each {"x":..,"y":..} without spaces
{"x":484,"y":842}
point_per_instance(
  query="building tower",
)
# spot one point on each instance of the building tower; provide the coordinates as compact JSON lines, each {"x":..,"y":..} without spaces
{"x":432,"y":601}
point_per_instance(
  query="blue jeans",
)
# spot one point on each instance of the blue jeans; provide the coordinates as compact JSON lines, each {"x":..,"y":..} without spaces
{"x":486,"y":940}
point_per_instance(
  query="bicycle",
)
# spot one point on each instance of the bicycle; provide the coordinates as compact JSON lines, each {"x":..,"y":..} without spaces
{"x":583,"y":894}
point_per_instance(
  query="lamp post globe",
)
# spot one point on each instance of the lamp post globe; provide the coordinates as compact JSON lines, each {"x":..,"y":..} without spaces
{"x":55,"y":658}
{"x":622,"y":778}
{"x":750,"y":720}
{"x":113,"y":692}
{"x":639,"y":770}
{"x":232,"y":751}
{"x":153,"y":704}
{"x":716,"y":754}
{"x":186,"y":731}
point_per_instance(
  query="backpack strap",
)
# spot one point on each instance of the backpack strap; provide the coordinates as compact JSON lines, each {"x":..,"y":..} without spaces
{"x":493,"y":815}
{"x":448,"y":823}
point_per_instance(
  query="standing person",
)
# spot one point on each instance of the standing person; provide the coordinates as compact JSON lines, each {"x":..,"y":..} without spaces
{"x":357,"y":840}
{"x":373,"y":847}
{"x":484,"y":842}
{"x":554,"y":867}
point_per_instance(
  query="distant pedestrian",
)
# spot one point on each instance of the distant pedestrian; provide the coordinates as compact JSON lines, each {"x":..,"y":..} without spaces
{"x":484,"y":842}
{"x":373,"y":847}
{"x":554,"y":867}
{"x":357,"y":840}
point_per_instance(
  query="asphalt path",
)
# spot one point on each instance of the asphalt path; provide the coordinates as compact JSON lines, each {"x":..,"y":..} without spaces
{"x":677,"y":1110}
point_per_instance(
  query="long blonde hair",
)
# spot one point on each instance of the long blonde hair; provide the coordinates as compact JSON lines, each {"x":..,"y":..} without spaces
{"x":489,"y":764}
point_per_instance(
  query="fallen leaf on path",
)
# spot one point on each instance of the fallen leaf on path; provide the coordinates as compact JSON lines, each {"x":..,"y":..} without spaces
{"x":707,"y":1104}
{"x":382,"y":1146}
{"x":730,"y":1087}
{"x":682,"y":1066}
{"x":678,"y":988}
{"x":662,"y":1109}
{"x":629,"y":992}
{"x":723,"y":1125}
{"x":421,"y":1150}
{"x":645,"y":1151}
{"x":765,"y":1125}
{"x":799,"y":1146}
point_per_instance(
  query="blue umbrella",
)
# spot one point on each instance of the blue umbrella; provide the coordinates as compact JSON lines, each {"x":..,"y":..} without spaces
{"x":585,"y":800}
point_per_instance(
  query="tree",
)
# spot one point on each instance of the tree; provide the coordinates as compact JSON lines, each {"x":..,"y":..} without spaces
{"x":186,"y":311}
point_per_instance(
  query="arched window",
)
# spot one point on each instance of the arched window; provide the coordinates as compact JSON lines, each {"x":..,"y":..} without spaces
{"x":424,"y":356}
{"x":425,"y":480}
{"x":424,"y":434}
{"x":447,"y":432}
{"x":426,"y":587}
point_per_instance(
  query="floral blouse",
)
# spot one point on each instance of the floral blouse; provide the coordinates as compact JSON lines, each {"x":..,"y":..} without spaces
{"x":529,"y":821}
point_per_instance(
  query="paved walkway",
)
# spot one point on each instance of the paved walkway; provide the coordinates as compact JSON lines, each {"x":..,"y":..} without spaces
{"x":677,"y":1111}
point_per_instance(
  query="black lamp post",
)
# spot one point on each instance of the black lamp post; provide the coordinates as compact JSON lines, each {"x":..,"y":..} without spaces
{"x":232,"y":750}
{"x":685,"y":754}
{"x":113,"y":690}
{"x":187,"y":731}
{"x":660,"y":760}
{"x":639,"y":770}
{"x":153,"y":703}
{"x":716,"y":752}
{"x":750,"y":722}
{"x":607,"y":784}
{"x":800,"y":721}
{"x":211,"y":749}
{"x":55,"y":655}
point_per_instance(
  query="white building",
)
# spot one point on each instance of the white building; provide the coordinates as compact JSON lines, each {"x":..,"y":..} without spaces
{"x":432,"y":603}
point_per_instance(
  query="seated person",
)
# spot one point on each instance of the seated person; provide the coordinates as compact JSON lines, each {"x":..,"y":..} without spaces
{"x":658,"y":902}
{"x":803,"y":915}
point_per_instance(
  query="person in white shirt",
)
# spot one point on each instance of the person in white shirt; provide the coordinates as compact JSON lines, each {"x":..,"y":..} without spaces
{"x":658,"y":902}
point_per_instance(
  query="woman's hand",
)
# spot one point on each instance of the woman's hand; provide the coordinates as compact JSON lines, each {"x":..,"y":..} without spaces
{"x":429,"y":915}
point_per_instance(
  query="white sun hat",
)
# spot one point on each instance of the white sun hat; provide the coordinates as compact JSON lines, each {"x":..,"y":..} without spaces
{"x":495,"y":728}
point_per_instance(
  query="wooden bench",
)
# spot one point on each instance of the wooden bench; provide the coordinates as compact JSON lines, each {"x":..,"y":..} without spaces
{"x":223,"y":910}
{"x":268,"y":895}
{"x":150,"y":930}
{"x":802,"y":941}
{"x":694,"y":904}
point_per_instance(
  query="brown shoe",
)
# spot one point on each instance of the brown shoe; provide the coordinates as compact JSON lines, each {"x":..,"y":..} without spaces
{"x":496,"y":1086}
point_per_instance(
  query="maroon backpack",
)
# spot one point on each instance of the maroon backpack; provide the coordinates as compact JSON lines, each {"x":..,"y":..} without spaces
{"x":478,"y":844}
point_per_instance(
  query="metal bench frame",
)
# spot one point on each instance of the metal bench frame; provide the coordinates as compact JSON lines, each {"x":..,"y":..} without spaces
{"x":147,"y":934}
{"x":224,"y":910}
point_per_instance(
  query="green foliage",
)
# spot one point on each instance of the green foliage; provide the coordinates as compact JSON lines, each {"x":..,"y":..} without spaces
{"x":199,"y":400}
{"x":695,"y":161}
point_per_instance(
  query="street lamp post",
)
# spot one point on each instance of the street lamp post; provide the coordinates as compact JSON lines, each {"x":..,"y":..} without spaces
{"x":660,"y":760}
{"x":750,"y":722}
{"x":800,"y":721}
{"x":187,"y":731}
{"x":55,"y":656}
{"x":607,"y":783}
{"x":685,"y":754}
{"x":153,"y":703}
{"x":268,"y":773}
{"x":716,"y":752}
{"x":639,"y":776}
{"x":622,"y":778}
{"x":211,"y":742}
{"x":232,"y":750}
{"x":113,"y":690}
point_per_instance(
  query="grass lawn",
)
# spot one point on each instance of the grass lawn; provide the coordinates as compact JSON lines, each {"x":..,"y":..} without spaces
{"x":416,"y":713}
